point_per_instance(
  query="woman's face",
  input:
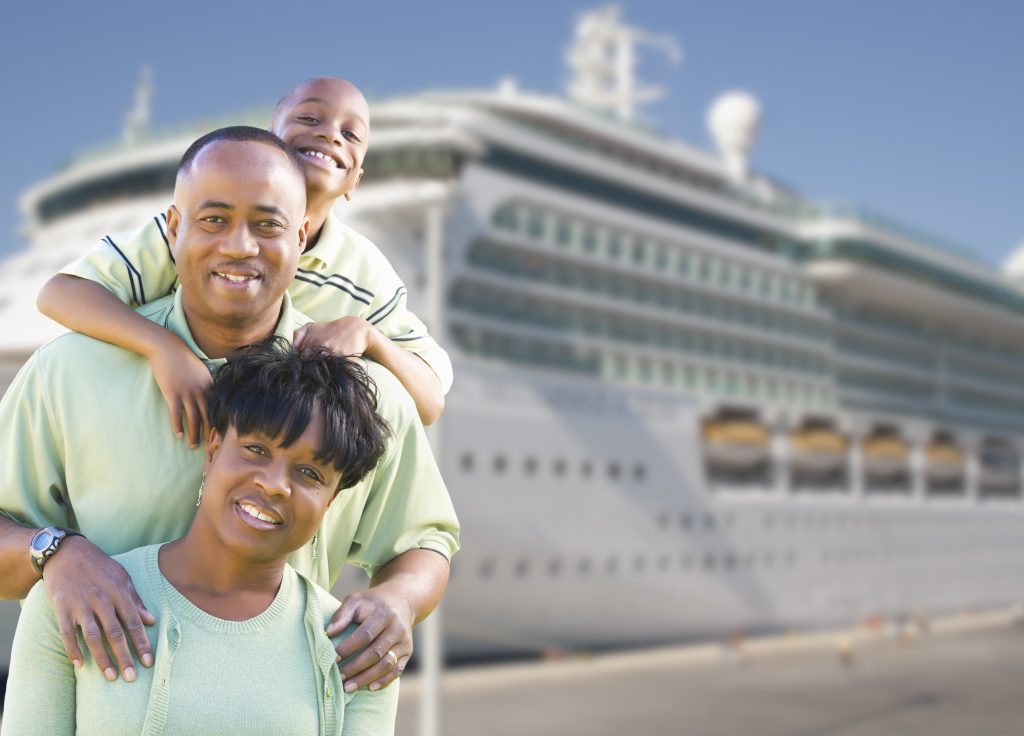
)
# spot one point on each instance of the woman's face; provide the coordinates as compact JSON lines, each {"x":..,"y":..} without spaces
{"x":266,"y":501}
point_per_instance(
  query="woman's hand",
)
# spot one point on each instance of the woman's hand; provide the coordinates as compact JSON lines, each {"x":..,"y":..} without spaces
{"x":184,"y":380}
{"x":91,"y":592}
{"x":383,"y":640}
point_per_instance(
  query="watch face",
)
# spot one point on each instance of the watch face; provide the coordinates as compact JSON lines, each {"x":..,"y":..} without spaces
{"x":41,"y":540}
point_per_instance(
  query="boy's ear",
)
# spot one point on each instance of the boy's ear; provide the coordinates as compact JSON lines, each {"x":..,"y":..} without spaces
{"x":173,"y":223}
{"x":348,"y":194}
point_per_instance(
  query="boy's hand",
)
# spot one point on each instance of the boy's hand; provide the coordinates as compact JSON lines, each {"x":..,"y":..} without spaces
{"x":184,"y":380}
{"x":343,"y":337}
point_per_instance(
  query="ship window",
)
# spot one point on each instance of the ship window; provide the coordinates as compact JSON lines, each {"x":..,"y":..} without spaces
{"x":614,"y":471}
{"x":615,"y":245}
{"x":535,"y":225}
{"x":685,"y":521}
{"x":686,"y":561}
{"x":554,"y":567}
{"x":663,"y":520}
{"x":663,"y":563}
{"x":612,"y":566}
{"x":639,"y":563}
{"x":639,"y":472}
{"x":709,"y":521}
{"x":709,"y":561}
{"x":589,"y":240}
{"x":530,"y":465}
{"x":467,"y":462}
{"x":522,"y":568}
{"x":487,"y":568}
{"x":500,"y":463}
{"x":559,"y":467}
{"x":639,"y":253}
{"x":584,"y":566}
{"x":587,"y":468}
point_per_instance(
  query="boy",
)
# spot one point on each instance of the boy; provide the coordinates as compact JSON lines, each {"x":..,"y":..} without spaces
{"x":343,"y":282}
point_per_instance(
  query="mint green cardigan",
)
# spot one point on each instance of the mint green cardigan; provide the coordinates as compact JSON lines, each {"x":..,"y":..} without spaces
{"x":271,"y":674}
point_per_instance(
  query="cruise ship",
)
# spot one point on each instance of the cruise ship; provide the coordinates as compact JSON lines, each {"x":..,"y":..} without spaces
{"x":689,"y":401}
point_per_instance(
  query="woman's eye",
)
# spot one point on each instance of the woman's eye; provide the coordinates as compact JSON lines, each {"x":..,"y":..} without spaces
{"x":312,"y":475}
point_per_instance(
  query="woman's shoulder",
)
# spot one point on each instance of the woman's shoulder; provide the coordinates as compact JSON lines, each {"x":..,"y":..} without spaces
{"x":141,"y":565}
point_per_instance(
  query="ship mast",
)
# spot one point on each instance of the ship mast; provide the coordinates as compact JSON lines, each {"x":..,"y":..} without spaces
{"x":603,"y":60}
{"x":136,"y":122}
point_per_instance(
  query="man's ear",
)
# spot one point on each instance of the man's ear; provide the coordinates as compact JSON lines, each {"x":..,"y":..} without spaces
{"x":173,"y":223}
{"x":348,"y":194}
{"x":303,"y":234}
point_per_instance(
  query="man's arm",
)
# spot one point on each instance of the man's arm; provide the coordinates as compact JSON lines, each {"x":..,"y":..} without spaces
{"x":19,"y":574}
{"x":401,"y":594}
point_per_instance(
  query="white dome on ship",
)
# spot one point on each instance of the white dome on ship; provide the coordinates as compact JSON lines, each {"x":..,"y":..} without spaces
{"x":733,"y":121}
{"x":1013,"y":267}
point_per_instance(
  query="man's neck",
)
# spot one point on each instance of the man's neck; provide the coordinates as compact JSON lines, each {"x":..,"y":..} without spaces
{"x":218,"y":340}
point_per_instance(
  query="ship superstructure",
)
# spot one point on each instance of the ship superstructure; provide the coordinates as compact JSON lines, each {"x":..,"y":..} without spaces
{"x":688,"y":400}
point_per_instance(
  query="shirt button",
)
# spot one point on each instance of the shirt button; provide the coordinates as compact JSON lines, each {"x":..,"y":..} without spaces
{"x":330,"y":692}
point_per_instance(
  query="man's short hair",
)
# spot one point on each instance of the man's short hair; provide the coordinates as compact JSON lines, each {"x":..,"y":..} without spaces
{"x":240,"y":134}
{"x":277,"y":390}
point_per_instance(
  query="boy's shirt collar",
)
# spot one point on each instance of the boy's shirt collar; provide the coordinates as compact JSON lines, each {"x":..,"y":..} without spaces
{"x":329,"y":247}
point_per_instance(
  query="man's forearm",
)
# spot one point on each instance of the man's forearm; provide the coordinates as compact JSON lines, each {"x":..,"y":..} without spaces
{"x":419,"y":575}
{"x":17,"y":573}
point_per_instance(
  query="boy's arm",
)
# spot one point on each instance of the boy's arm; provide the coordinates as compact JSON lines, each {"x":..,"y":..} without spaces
{"x":356,"y":336}
{"x":87,"y":307}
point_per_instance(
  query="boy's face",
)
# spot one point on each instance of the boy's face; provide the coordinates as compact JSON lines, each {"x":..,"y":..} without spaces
{"x":328,"y":121}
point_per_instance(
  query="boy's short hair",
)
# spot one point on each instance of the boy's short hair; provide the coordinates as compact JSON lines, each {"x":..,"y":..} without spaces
{"x":277,"y":390}
{"x":240,"y":134}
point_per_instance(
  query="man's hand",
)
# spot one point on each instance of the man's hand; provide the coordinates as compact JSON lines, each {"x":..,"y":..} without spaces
{"x":91,"y":592}
{"x":383,"y":640}
{"x":184,"y":381}
{"x":343,"y":337}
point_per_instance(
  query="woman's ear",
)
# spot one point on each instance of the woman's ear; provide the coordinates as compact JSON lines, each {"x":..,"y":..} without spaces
{"x":213,"y":443}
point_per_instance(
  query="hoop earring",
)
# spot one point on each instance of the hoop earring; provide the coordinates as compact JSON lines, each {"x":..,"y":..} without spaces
{"x":201,"y":484}
{"x":314,"y":546}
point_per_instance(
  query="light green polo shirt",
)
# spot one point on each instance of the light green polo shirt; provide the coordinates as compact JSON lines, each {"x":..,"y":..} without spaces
{"x":270,"y":674}
{"x":86,"y":442}
{"x":343,"y":275}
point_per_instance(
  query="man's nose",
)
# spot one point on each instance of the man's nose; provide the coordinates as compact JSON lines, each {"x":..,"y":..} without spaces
{"x":240,"y":243}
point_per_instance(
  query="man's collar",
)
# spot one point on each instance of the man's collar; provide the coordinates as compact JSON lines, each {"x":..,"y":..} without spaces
{"x":178,"y":324}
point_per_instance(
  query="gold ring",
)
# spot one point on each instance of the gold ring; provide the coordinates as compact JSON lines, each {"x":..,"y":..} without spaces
{"x":394,"y":657}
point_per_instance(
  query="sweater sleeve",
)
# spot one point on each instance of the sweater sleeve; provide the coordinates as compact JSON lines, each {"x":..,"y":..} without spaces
{"x":41,"y":683}
{"x":369,"y":713}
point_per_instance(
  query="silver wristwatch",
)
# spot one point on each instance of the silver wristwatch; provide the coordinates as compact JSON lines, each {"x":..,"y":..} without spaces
{"x":45,"y":543}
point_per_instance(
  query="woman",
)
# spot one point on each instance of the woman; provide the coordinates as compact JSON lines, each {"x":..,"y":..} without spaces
{"x":239,"y":639}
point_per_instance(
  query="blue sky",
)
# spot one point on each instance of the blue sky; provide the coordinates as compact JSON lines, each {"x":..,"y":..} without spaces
{"x":908,"y":107}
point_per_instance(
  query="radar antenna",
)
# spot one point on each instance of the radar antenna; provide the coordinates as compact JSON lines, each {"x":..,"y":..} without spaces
{"x":602,"y":59}
{"x":136,"y":122}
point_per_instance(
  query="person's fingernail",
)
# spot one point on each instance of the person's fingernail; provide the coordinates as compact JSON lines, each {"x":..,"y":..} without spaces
{"x":147,"y":660}
{"x":76,"y":662}
{"x":110,"y":674}
{"x":375,"y":687}
{"x":350,"y":687}
{"x":129,"y":674}
{"x":337,"y":659}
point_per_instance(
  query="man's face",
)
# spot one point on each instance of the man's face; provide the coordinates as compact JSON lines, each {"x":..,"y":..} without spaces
{"x":237,"y":227}
{"x":328,"y":121}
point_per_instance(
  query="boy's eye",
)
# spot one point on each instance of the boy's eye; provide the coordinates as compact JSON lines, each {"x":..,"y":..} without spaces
{"x":308,"y":119}
{"x":256,"y":450}
{"x":351,"y":136}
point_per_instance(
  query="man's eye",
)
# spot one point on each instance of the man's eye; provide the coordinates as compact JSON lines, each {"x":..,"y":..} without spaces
{"x":214,"y":219}
{"x":269,"y":224}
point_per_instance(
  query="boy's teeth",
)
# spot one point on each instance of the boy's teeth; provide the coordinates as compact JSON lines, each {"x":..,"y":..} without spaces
{"x":321,"y":156}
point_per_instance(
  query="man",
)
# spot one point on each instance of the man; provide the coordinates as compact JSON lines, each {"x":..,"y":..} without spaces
{"x":83,"y":430}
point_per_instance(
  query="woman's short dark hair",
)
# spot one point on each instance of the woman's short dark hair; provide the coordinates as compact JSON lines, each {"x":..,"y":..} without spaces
{"x":277,"y":390}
